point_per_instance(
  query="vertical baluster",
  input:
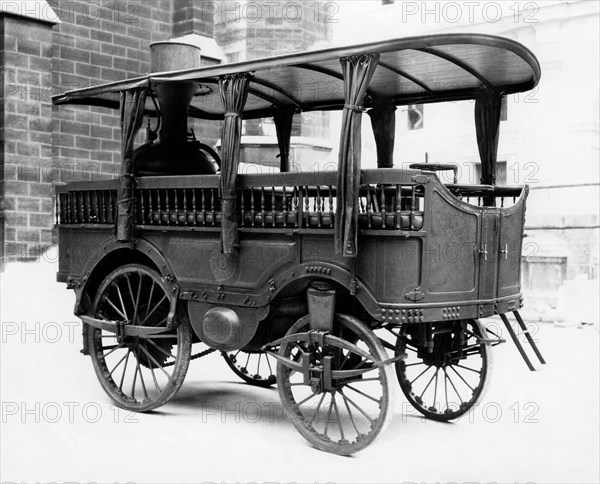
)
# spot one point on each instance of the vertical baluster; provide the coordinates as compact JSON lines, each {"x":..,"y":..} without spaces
{"x":398,"y":207}
{"x":479,"y":201}
{"x":413,"y":205}
{"x":262,"y":205}
{"x":284,"y":207}
{"x":297,"y":205}
{"x":185,"y":207}
{"x":81,"y":207}
{"x":502,"y":202}
{"x":383,"y":208}
{"x":160,"y":206}
{"x":369,"y":208}
{"x":252,"y":208}
{"x":331,"y":206}
{"x":318,"y":202}
{"x":150,"y":217}
{"x":273,"y":205}
{"x":307,"y":207}
{"x":168,"y":209}
{"x":194,"y":207}
{"x":203,"y":205}
{"x":213,"y":208}
{"x":243,"y":207}
{"x":101,"y":207}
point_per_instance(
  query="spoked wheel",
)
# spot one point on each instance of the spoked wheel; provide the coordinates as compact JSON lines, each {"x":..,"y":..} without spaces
{"x":445,"y":383}
{"x":255,"y":368}
{"x":348,"y":398}
{"x":140,"y":373}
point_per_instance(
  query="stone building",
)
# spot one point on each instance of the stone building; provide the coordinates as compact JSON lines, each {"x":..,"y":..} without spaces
{"x":50,"y":47}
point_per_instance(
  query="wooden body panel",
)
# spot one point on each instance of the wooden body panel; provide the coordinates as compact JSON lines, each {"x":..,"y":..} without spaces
{"x":448,"y":259}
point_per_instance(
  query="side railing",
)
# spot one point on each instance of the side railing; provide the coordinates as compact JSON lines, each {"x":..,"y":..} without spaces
{"x":388,"y":200}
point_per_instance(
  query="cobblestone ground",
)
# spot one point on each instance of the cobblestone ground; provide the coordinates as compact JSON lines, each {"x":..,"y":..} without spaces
{"x":58,"y":425}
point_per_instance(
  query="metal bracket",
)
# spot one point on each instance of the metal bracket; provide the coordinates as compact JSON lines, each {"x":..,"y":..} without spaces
{"x":414,"y":295}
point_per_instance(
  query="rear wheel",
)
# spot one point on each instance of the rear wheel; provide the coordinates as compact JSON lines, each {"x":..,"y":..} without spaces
{"x":445,"y":383}
{"x":254,"y":367}
{"x":139,"y":373}
{"x":348,"y":398}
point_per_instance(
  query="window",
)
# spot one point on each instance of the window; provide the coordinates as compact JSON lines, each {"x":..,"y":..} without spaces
{"x":415,"y":116}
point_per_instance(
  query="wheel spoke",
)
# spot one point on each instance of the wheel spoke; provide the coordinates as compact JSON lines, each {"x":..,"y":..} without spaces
{"x":124,"y":370}
{"x":317,"y":410}
{"x":376,"y":400}
{"x":350,"y":415}
{"x":153,"y":309}
{"x":419,"y":375}
{"x":162,"y":350}
{"x":111,"y":348}
{"x":306,"y":399}
{"x":142,"y":379}
{"x":345,"y":397}
{"x":452,"y":383}
{"x":120,"y":361}
{"x":132,"y":298}
{"x":460,"y":376}
{"x":121,"y":300}
{"x":467,"y":368}
{"x":150,"y":298}
{"x":155,"y":362}
{"x":429,"y":383}
{"x":116,"y":308}
{"x":339,"y":418}
{"x":154,"y":377}
{"x":328,"y":415}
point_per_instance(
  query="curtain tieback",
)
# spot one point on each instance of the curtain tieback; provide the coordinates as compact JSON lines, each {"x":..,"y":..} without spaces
{"x":231,"y":114}
{"x":228,"y":197}
{"x":355,"y":108}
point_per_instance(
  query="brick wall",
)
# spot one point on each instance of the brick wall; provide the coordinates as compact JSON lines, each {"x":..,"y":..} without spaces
{"x":95,"y":42}
{"x":27,"y":136}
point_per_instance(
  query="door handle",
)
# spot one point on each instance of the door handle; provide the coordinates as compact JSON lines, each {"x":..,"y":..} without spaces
{"x":505,"y":251}
{"x":484,"y":251}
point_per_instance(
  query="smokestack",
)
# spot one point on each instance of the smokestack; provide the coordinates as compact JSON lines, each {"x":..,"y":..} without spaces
{"x":173,"y":98}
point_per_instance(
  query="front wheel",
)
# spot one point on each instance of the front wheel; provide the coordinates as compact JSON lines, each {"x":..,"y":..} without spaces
{"x":138,"y":373}
{"x":445,"y":381}
{"x":343,"y":398}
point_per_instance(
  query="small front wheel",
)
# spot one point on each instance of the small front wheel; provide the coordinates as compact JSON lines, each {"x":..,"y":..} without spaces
{"x":344,"y":398}
{"x":445,"y":381}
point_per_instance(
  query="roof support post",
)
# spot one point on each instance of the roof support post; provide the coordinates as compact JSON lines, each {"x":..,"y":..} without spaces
{"x":283,"y":117}
{"x":358,"y":72}
{"x":383,"y":121}
{"x":488,"y":104}
{"x":234,"y":92}
{"x":132,"y":115}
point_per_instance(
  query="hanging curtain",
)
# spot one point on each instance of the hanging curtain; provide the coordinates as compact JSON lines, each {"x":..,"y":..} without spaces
{"x":234,"y":92}
{"x":383,"y":122}
{"x":488,"y":104}
{"x":283,"y":117}
{"x":132,"y":115}
{"x":357,"y":71}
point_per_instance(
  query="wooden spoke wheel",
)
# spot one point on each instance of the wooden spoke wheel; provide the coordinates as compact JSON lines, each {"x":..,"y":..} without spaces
{"x":140,"y":373}
{"x":445,"y":383}
{"x":343,"y":410}
{"x":255,"y":368}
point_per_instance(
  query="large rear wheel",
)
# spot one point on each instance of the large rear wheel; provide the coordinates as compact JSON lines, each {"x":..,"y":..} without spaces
{"x":343,"y":398}
{"x":139,"y":373}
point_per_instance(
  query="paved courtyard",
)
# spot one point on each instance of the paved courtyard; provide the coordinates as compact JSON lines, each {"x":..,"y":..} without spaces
{"x":58,"y":425}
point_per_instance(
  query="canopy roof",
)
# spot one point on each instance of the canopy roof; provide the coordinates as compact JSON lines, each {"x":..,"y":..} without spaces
{"x":421,"y":69}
